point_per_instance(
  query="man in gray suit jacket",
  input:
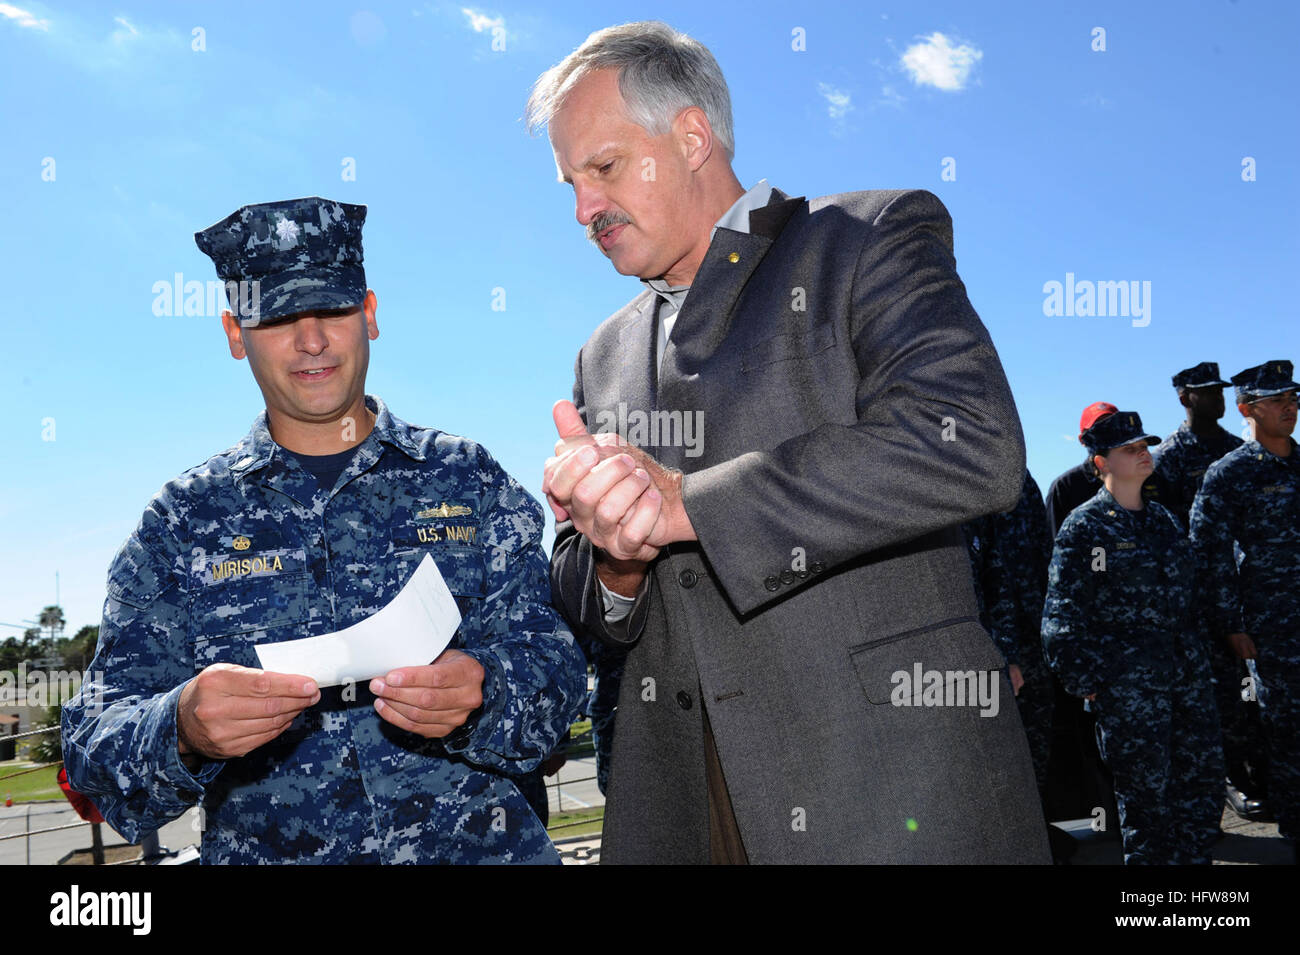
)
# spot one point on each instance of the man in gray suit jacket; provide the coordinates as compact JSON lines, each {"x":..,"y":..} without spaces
{"x":807,"y":679}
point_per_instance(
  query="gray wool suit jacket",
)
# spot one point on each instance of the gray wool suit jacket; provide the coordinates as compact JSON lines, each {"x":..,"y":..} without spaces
{"x":854,"y":413}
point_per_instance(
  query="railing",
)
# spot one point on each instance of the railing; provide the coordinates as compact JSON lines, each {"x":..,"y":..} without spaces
{"x":574,"y":747}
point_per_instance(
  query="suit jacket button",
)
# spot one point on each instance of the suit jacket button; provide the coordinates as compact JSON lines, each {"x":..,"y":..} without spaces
{"x":787,"y":577}
{"x":687,"y":578}
{"x":817,"y":567}
{"x":683,"y":699}
{"x":771,"y":583}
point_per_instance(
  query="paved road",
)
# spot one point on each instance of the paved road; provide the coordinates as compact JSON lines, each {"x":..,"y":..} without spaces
{"x":1246,"y":843}
{"x":49,"y":847}
{"x":577,"y":786}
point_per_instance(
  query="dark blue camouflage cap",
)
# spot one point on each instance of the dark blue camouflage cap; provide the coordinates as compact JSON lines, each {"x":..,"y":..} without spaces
{"x":1115,"y":431}
{"x":297,"y":255}
{"x":1263,"y":381}
{"x":1204,"y":375}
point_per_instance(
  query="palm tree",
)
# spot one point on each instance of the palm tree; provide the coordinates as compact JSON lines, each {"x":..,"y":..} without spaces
{"x":52,"y":617}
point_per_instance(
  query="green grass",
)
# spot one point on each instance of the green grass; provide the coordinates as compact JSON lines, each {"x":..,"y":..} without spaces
{"x":591,"y":822}
{"x":29,"y":787}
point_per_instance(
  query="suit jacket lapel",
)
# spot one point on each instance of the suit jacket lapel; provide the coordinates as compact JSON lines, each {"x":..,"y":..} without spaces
{"x":705,"y":319}
{"x":771,"y":219}
{"x":730,"y":261}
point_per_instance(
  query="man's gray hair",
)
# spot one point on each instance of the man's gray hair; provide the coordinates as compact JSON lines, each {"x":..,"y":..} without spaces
{"x":661,"y":73}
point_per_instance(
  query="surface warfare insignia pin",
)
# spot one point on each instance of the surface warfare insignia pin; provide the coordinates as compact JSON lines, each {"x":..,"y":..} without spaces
{"x":241,"y":543}
{"x":445,"y":510}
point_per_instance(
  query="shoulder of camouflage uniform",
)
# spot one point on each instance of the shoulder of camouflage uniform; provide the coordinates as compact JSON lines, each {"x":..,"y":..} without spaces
{"x":171,"y":503}
{"x":445,"y":446}
{"x":1080,"y":518}
{"x":195,"y":485}
{"x":464,"y":453}
{"x":1168,"y":516}
{"x":1231,"y":466}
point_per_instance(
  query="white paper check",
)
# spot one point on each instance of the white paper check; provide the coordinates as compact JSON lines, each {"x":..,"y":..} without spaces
{"x":412,"y":630}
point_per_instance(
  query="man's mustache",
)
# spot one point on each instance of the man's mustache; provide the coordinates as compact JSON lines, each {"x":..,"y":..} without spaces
{"x":603,"y":221}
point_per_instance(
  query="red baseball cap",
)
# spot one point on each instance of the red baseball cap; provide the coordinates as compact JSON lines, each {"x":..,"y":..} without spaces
{"x":1098,"y":409}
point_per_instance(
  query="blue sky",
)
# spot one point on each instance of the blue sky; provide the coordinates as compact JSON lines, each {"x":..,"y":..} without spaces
{"x":122,"y":139}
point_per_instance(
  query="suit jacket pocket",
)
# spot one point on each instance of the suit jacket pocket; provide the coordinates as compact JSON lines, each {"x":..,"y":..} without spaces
{"x":788,"y":346}
{"x":958,"y":649}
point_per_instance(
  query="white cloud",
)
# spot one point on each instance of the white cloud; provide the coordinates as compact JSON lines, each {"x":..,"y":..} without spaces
{"x":123,"y":21}
{"x":22,"y":17}
{"x":480,"y":21}
{"x":890,"y":97}
{"x":936,"y":62}
{"x":838,"y":102}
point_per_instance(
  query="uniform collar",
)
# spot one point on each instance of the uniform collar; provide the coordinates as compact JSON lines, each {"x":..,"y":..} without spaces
{"x":1254,"y":448}
{"x":1219,"y":434}
{"x":1110,"y":504}
{"x":258,"y":449}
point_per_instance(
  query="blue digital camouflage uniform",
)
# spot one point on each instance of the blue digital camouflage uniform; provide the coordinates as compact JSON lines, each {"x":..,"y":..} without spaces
{"x":282,"y":258}
{"x":1251,"y":498}
{"x":245,"y":549}
{"x":1118,"y":623}
{"x":602,"y":703}
{"x":1009,"y":553}
{"x":1181,"y":461}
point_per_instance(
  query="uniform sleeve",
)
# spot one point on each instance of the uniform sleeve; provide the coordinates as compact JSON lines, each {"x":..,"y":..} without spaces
{"x":936,"y":439}
{"x":1070,"y":645}
{"x":1212,"y":524}
{"x":535,"y":676}
{"x":1013,"y":581}
{"x":119,"y":733}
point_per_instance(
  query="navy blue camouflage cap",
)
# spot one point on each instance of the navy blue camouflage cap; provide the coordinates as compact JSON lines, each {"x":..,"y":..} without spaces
{"x":1263,"y":381}
{"x":1204,"y":375}
{"x":1114,"y":431}
{"x":292,"y":256}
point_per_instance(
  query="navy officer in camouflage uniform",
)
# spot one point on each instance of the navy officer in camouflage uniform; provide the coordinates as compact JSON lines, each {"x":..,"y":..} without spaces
{"x":312,"y":522}
{"x":1118,"y":628}
{"x":1250,"y":498}
{"x":1181,"y":461}
{"x":1182,"y":458}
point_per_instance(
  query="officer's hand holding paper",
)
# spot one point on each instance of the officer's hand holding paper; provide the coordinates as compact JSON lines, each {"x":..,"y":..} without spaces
{"x":413,"y":629}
